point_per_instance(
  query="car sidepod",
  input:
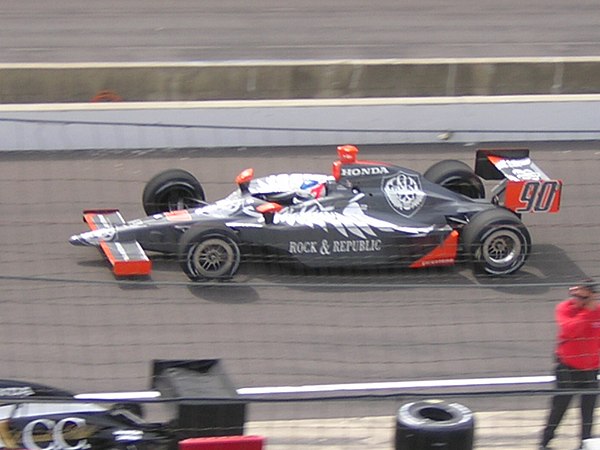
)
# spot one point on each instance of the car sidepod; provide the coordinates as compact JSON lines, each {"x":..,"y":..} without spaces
{"x":76,"y":426}
{"x":347,"y":231}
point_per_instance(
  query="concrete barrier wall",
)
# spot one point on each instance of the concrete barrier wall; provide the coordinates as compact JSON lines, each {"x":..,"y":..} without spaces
{"x":136,"y":82}
{"x":308,"y":122}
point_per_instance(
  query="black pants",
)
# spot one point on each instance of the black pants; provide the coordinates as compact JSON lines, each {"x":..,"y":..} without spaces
{"x":571,"y":379}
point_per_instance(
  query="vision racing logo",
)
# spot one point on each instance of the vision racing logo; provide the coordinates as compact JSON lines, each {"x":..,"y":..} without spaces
{"x":404,"y":193}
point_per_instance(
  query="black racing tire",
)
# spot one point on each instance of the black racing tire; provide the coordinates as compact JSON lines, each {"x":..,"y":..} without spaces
{"x":209,"y":254}
{"x":457,"y":177}
{"x":496,"y":241}
{"x":431,"y":424}
{"x":172,"y":190}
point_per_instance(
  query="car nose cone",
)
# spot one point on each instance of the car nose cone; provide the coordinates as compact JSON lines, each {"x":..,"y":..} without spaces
{"x":76,"y":240}
{"x":94,"y":237}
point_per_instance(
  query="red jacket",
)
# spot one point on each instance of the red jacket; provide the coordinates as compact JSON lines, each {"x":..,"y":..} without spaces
{"x":578,"y":336}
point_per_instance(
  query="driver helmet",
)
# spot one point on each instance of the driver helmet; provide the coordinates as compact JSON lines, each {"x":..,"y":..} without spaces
{"x":314,"y":188}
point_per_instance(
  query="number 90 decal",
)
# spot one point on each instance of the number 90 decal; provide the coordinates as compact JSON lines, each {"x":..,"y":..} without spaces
{"x":533,"y":196}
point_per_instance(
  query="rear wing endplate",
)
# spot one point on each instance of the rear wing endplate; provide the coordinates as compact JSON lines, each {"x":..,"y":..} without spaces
{"x":525,"y":187}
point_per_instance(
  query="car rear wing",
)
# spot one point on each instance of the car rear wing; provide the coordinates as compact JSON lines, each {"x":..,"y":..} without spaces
{"x":200,"y":398}
{"x":525,"y":188}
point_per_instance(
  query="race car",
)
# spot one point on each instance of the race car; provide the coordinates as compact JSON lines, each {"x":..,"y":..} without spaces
{"x":62,"y":422}
{"x":199,"y":397}
{"x":364,"y":213}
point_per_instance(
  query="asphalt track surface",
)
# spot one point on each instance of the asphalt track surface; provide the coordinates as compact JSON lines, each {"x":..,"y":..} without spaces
{"x":189,"y":30}
{"x":68,"y":322}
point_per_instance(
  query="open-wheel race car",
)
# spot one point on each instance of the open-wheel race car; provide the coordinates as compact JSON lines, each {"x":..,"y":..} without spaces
{"x":365,"y":213}
{"x":39,"y":417}
{"x":197,"y":399}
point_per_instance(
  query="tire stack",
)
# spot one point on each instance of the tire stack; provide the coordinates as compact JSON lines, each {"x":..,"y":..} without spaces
{"x":434,"y":424}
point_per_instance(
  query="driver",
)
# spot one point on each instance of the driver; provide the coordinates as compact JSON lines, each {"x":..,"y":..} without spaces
{"x":312,"y":189}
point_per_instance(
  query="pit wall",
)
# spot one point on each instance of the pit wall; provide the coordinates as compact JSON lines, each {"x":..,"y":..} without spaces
{"x":307,"y":122}
{"x":143,"y":82}
{"x":138,"y":106}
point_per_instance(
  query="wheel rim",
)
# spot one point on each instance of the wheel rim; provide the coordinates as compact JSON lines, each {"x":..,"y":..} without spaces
{"x":212,"y":258}
{"x":503,"y":249}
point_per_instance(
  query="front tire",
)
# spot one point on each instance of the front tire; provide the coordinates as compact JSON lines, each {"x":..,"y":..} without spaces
{"x":209,"y":254}
{"x":172,"y":190}
{"x":457,"y":177}
{"x":496,"y":241}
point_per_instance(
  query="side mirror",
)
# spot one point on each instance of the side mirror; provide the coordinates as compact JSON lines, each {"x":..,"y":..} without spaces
{"x":268,"y":210}
{"x":244,"y":178}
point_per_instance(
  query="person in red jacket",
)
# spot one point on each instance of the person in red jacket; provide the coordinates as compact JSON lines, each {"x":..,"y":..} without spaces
{"x":577,"y":357}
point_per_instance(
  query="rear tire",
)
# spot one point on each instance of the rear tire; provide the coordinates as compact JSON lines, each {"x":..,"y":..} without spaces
{"x":496,"y":241}
{"x":457,"y":177}
{"x":209,"y":254}
{"x":172,"y":190}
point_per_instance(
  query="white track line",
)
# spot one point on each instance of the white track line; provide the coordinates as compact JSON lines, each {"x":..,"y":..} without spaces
{"x":302,"y":62}
{"x":305,"y":389}
{"x":395,"y":385}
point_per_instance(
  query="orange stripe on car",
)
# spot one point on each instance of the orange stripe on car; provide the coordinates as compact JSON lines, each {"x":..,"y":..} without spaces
{"x":443,"y":255}
{"x":126,"y":267}
{"x":178,"y":216}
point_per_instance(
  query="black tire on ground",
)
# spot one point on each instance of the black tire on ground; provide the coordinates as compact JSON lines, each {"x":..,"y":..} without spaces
{"x":171,"y":190}
{"x":457,"y":177}
{"x":431,"y":424}
{"x":209,"y":254}
{"x":496,"y":241}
